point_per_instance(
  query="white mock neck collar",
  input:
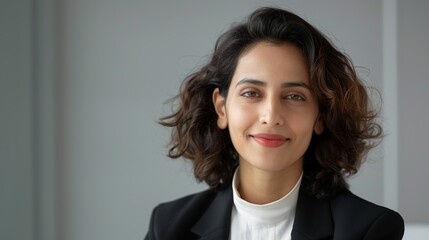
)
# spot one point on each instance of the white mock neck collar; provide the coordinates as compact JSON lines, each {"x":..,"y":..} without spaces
{"x":270,"y":213}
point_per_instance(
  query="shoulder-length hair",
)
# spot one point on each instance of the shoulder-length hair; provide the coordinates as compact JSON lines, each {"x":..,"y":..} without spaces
{"x":344,"y":106}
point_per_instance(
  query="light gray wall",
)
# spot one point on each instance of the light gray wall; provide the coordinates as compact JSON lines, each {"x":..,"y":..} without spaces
{"x":16,"y":120}
{"x":102,"y":72}
{"x":413,"y":99}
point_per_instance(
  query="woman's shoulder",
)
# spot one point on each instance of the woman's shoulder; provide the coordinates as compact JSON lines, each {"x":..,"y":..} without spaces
{"x":175,"y":218}
{"x":349,"y":209}
{"x":346,"y":201}
{"x":180,"y":205}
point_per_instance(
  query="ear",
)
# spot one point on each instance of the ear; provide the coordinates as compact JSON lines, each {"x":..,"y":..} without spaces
{"x":219,"y":103}
{"x":318,"y":126}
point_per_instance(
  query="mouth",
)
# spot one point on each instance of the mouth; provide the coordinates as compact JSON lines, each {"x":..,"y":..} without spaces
{"x":269,"y":140}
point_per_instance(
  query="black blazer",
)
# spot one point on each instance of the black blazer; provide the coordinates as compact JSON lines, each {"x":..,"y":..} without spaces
{"x":207,"y":215}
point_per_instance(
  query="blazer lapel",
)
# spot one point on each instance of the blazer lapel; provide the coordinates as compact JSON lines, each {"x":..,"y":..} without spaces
{"x":313,"y":219}
{"x":216,"y":221}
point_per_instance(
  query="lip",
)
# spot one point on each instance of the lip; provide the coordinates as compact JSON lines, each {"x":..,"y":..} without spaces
{"x":269,"y":140}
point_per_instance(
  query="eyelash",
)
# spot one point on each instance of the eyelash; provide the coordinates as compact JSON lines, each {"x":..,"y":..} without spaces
{"x":250,"y":94}
{"x":295,"y":97}
{"x":291,"y":96}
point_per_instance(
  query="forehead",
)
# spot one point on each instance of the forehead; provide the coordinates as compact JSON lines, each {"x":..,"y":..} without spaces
{"x":268,"y":61}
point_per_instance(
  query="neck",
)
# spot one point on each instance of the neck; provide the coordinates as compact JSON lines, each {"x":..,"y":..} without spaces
{"x":261,"y":187}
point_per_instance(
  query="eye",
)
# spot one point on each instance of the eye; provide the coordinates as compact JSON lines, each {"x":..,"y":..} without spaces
{"x":294,"y":97}
{"x":250,"y":94}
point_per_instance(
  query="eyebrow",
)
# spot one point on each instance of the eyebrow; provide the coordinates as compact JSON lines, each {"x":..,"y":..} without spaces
{"x":264,"y":84}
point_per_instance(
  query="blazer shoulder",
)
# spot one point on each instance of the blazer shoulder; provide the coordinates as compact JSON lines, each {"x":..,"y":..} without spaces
{"x":175,"y":218}
{"x":347,"y":202}
{"x":369,"y":220}
{"x":194,"y":201}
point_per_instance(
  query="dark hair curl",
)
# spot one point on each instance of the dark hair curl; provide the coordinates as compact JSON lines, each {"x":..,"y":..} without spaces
{"x":344,"y":105}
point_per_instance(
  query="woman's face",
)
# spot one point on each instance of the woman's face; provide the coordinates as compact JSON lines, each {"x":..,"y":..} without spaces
{"x":270,"y":111}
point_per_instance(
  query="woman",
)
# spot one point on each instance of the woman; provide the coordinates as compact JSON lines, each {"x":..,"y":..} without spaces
{"x":273,"y":124}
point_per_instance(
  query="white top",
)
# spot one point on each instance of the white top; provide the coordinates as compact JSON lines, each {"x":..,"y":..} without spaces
{"x":267,"y":221}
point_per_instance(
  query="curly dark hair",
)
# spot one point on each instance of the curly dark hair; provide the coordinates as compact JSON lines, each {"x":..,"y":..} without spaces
{"x":350,"y":129}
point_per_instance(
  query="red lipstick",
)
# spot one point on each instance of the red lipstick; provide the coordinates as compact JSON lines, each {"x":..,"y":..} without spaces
{"x":269,"y":140}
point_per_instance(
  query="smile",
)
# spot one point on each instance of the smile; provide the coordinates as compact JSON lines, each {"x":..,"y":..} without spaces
{"x":269,"y":140}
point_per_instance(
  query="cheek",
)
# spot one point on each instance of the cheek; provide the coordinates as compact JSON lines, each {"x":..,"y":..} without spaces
{"x":237,"y":112}
{"x":303,"y":126}
{"x":240,"y":118}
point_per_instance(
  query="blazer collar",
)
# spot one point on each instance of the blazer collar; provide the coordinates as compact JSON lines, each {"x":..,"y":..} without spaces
{"x":216,"y":221}
{"x":313,"y":218}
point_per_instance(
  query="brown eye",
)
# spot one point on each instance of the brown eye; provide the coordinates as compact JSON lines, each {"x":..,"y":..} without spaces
{"x":250,"y":94}
{"x":295,"y":97}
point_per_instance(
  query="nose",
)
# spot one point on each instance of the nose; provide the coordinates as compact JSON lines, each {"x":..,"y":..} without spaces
{"x":271,"y":113}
